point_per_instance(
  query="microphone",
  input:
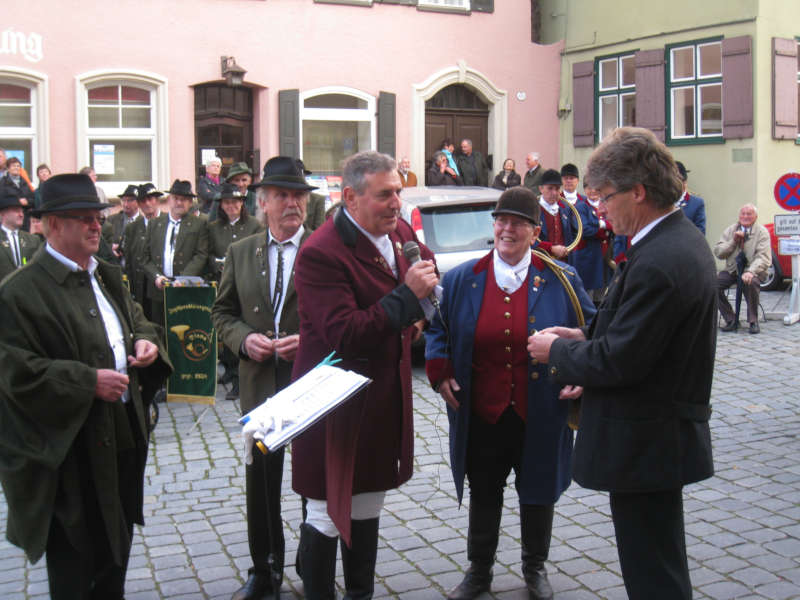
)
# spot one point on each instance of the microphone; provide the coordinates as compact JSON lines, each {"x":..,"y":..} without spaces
{"x":411,"y":252}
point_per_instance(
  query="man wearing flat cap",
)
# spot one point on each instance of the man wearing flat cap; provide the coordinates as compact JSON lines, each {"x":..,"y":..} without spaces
{"x":255,"y":315}
{"x":176,"y":244}
{"x":16,"y":246}
{"x":75,"y":349}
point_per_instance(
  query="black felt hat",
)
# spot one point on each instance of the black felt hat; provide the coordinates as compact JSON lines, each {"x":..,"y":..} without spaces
{"x":551,"y":177}
{"x":131,"y":190}
{"x":181,"y":187}
{"x":569,"y":170}
{"x":519,"y":201}
{"x":283,"y":172}
{"x":148,"y":189}
{"x":68,"y":191}
{"x":9,"y":198}
{"x":228,"y":190}
{"x":682,"y":171}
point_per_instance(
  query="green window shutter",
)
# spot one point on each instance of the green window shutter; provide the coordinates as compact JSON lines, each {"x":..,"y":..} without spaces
{"x":486,"y":6}
{"x":289,"y":123}
{"x":387,"y":139}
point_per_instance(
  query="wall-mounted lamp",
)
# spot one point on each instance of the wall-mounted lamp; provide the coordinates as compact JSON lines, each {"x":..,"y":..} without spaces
{"x":231,"y":72}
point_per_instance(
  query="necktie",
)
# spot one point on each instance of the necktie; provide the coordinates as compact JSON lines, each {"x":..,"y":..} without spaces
{"x":172,"y":237}
{"x":15,"y":244}
{"x":277,"y":293}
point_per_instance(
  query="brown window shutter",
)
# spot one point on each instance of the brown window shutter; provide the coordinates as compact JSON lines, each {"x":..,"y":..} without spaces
{"x":289,"y":123}
{"x":387,"y":108}
{"x":650,"y":109}
{"x":583,"y":104}
{"x":784,"y":89}
{"x":737,"y":87}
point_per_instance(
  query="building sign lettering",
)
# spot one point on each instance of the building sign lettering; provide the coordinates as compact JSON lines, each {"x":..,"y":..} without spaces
{"x":28,"y":45}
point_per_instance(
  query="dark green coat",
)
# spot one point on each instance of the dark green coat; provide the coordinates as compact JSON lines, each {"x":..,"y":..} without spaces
{"x":243,"y":306}
{"x":28,"y":244}
{"x":221,"y":234}
{"x":191,"y":250}
{"x":58,"y":443}
{"x":133,"y":249}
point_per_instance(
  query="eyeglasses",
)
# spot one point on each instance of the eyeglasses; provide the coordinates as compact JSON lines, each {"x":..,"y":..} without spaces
{"x":605,"y":199}
{"x":86,"y":219}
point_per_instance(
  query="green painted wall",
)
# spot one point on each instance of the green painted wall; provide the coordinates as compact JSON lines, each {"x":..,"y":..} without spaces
{"x":727,"y":175}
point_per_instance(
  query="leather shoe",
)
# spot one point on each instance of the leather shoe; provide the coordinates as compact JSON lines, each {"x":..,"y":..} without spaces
{"x":754,"y":328}
{"x":730,"y":326}
{"x":258,"y":585}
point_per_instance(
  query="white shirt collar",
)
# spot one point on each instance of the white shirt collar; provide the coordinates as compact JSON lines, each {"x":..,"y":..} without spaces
{"x":647,"y":228}
{"x":9,"y":232}
{"x":295,"y":239}
{"x":550,"y":208}
{"x":69,"y":263}
{"x":510,"y":278}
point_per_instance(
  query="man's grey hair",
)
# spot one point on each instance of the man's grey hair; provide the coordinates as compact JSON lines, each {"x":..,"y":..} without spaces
{"x":632,"y":155}
{"x":750,"y":206}
{"x":357,"y":167}
{"x":534,"y":156}
{"x":213,"y":160}
{"x":469,"y":141}
{"x":437,"y":156}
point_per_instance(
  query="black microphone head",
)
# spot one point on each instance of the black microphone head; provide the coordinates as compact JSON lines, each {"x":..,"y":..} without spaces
{"x":411,"y":251}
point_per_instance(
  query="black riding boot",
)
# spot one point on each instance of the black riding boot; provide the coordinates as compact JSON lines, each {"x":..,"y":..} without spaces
{"x":318,"y":556}
{"x":537,"y":526}
{"x":358,"y":561}
{"x":482,"y":535}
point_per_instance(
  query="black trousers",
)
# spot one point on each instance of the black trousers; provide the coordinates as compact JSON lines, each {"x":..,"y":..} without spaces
{"x":493,"y":450}
{"x":83,"y":575}
{"x":263,"y":479}
{"x":652,"y":544}
{"x":749,"y":292}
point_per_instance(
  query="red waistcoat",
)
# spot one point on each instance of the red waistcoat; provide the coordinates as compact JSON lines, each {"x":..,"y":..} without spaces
{"x":499,"y":357}
{"x":555,"y":232}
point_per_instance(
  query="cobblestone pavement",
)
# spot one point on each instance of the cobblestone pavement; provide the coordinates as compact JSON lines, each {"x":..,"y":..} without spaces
{"x":742,"y":525}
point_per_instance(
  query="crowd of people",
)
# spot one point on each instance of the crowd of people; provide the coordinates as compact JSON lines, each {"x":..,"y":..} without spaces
{"x":516,"y":346}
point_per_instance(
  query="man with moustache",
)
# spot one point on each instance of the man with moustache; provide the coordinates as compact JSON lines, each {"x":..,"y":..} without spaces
{"x":176,"y":244}
{"x":255,"y":314}
{"x":360,"y":296}
{"x":75,"y":349}
{"x":645,"y":364}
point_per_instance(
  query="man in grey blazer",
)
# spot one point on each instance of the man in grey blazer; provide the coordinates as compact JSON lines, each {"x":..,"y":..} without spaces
{"x":176,"y":244}
{"x":255,"y":315}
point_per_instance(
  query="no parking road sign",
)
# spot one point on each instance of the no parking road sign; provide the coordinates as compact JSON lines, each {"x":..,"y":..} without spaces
{"x":787,"y":191}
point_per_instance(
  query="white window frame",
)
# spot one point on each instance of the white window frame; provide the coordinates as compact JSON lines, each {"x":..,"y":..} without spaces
{"x":340,"y":114}
{"x":696,"y":82}
{"x":157,"y":133}
{"x":798,"y":92}
{"x":37,"y":133}
{"x":618,"y":91}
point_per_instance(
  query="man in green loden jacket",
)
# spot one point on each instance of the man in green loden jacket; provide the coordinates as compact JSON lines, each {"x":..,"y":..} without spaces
{"x":73,"y":442}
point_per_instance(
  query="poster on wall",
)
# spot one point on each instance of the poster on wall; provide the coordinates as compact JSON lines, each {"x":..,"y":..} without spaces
{"x":103,"y":159}
{"x":207,"y":154}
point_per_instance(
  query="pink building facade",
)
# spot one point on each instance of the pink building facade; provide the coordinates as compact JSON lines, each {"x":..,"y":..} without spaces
{"x":136,"y":88}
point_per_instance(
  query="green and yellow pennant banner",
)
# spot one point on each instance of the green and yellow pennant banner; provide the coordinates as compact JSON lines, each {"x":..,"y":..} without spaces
{"x":191,"y":343}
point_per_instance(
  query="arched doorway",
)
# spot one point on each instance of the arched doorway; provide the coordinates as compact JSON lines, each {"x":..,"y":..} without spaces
{"x":456,"y":112}
{"x":496,"y":101}
{"x":223,"y":118}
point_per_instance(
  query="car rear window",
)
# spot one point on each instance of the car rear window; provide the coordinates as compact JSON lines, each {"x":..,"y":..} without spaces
{"x":457,"y":228}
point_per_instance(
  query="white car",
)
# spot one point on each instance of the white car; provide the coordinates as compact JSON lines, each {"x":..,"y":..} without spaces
{"x":455,"y":222}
